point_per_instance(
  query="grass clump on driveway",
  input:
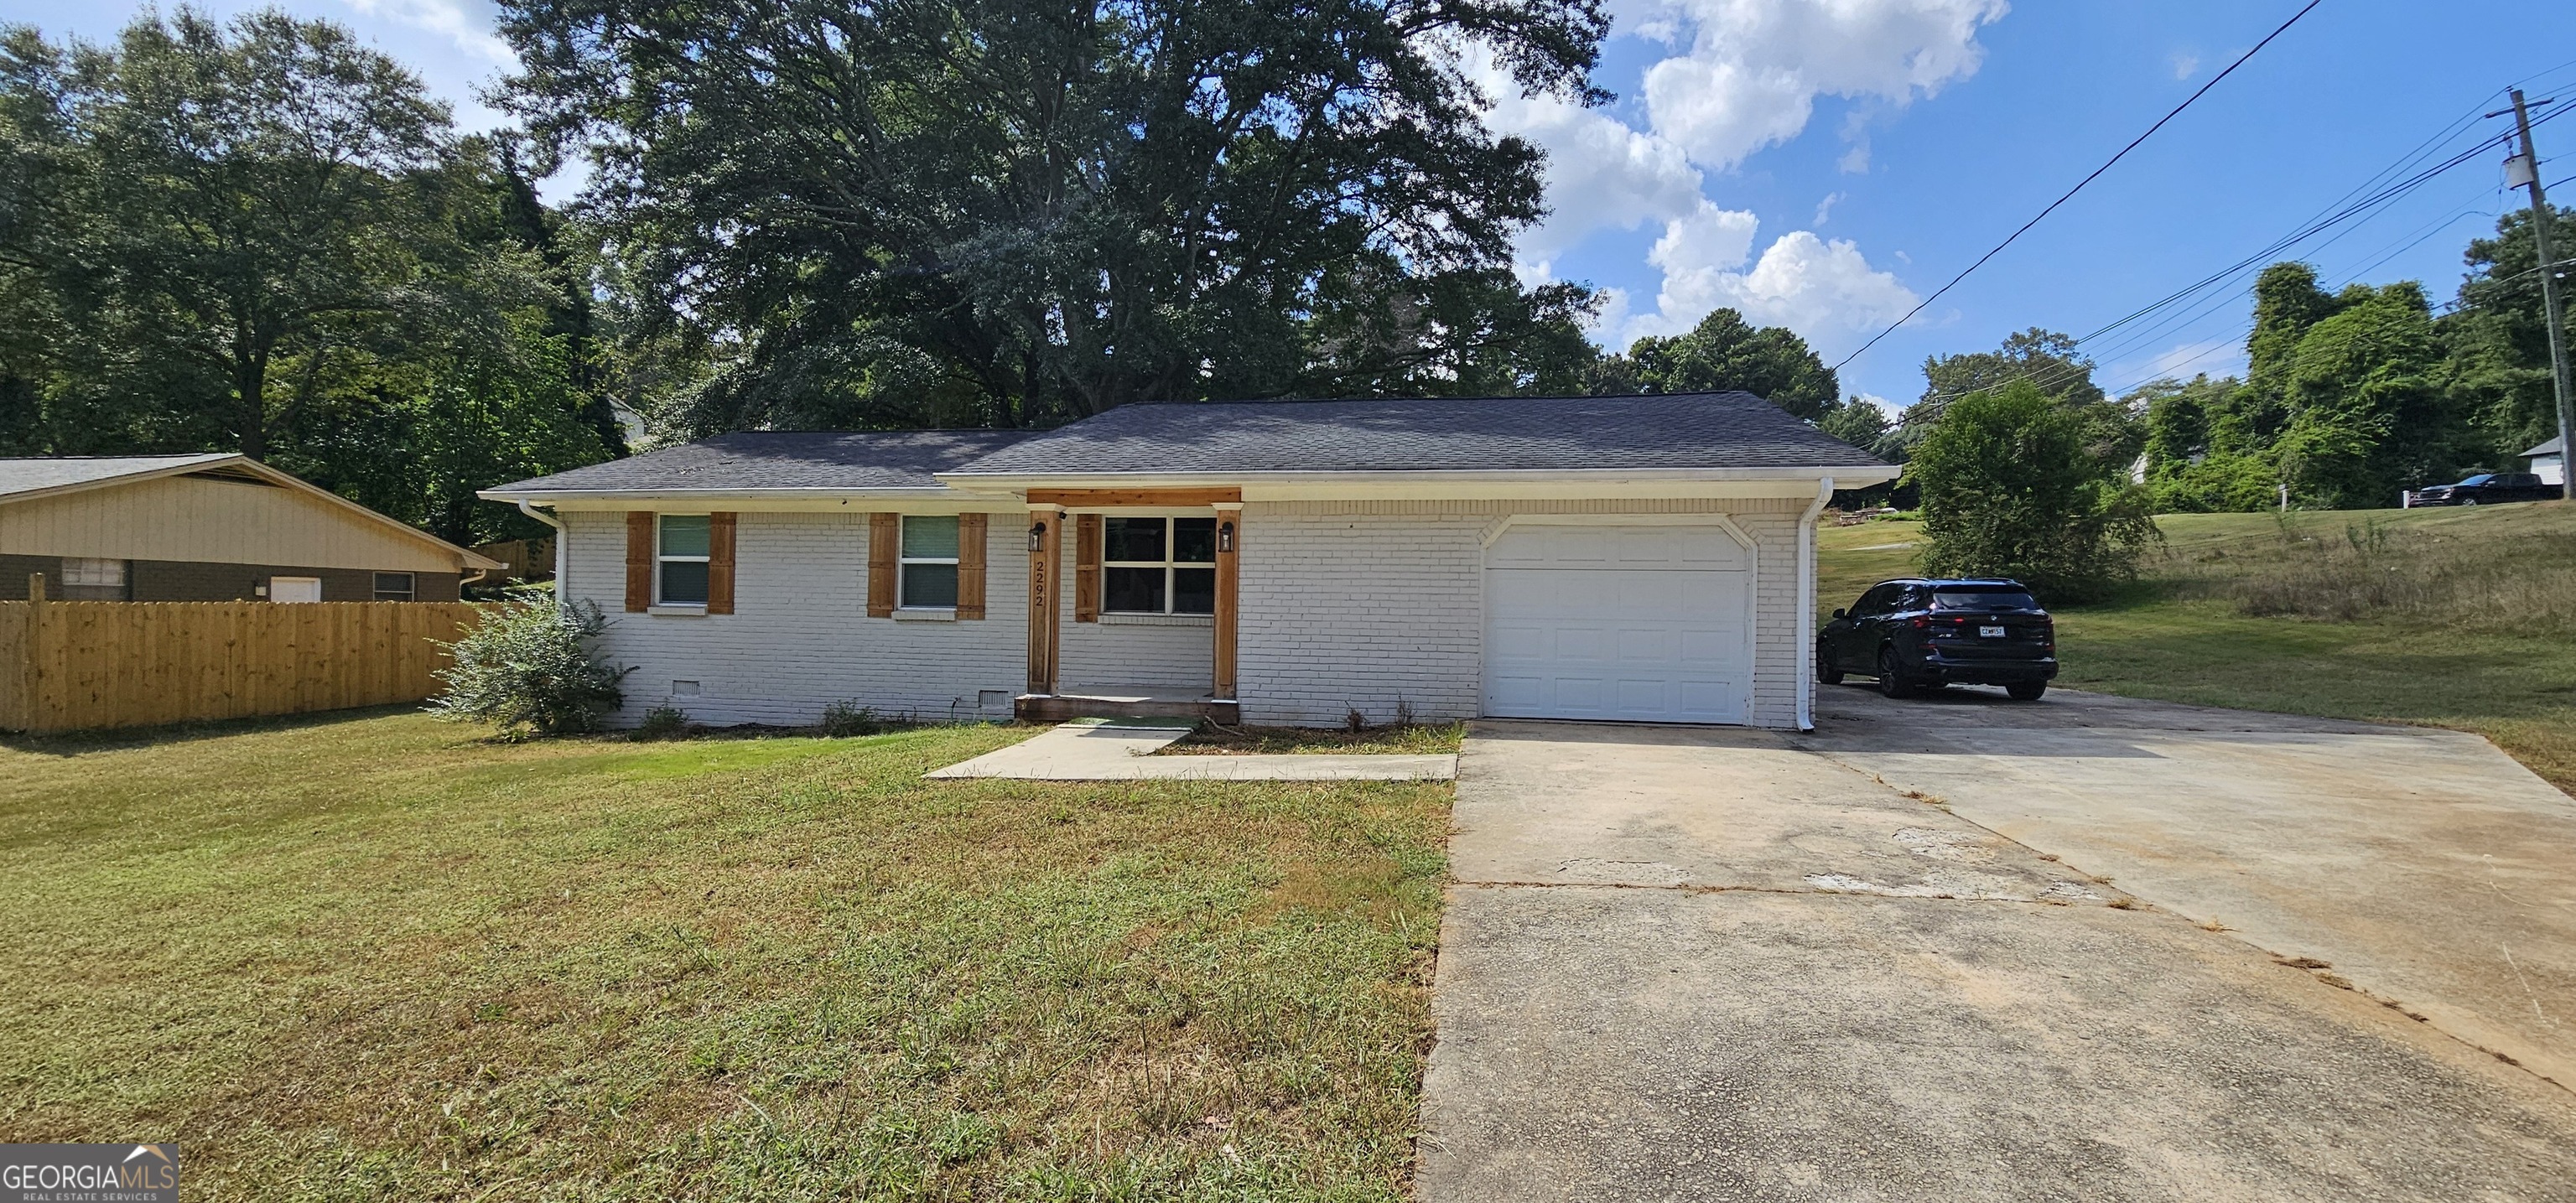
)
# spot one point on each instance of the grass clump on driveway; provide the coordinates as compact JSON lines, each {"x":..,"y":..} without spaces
{"x":2462,"y":618}
{"x":374,"y":957}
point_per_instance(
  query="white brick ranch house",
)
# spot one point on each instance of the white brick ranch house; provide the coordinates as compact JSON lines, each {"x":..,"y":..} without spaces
{"x":1643,"y":559}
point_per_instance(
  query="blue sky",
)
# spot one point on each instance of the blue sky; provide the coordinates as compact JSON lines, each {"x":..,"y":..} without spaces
{"x":1824,"y":164}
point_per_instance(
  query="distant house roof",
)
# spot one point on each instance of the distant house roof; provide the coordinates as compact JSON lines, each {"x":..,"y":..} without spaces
{"x":20,"y":477}
{"x":761,"y":461}
{"x":1672,"y":431}
{"x":27,"y":479}
{"x":2549,"y":448}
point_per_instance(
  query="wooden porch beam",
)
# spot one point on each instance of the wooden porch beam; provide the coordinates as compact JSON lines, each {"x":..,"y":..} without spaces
{"x":1094,"y":498}
{"x":1229,"y":538}
{"x":1046,"y":557}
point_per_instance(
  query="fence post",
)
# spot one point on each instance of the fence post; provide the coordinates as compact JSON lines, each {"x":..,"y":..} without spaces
{"x":31,"y":681}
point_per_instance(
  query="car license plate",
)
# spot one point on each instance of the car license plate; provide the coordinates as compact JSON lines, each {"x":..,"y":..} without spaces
{"x":1990,"y":632}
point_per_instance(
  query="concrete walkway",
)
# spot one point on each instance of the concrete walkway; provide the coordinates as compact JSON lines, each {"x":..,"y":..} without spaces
{"x":1712,"y":964}
{"x":1123,"y":752}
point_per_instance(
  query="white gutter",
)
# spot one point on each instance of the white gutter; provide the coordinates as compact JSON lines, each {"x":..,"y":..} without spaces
{"x":563,"y":546}
{"x":1807,"y":604}
{"x":998,"y":481}
{"x":551,"y":496}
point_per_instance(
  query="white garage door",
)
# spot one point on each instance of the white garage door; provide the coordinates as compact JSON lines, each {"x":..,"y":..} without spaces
{"x":1636,"y":623}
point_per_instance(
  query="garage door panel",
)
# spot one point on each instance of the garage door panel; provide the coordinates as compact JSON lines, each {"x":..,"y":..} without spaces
{"x":1644,"y":623}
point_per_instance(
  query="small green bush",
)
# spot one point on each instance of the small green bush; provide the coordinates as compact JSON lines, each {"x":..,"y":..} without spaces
{"x":663,"y":722}
{"x":529,"y":668}
{"x":841,"y":719}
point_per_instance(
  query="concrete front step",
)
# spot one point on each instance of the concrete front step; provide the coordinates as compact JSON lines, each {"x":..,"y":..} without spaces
{"x":1058,"y":707}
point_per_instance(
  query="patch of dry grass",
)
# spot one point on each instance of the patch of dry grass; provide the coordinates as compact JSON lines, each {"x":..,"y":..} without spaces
{"x":2508,"y":569}
{"x":373,"y":957}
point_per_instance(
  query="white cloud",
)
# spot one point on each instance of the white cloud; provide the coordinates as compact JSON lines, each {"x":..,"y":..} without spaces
{"x":446,"y":18}
{"x":1885,"y":406}
{"x":1826,"y":291}
{"x":2184,"y":63}
{"x":1746,"y":75}
{"x":1754,"y":68}
{"x":1601,"y":174}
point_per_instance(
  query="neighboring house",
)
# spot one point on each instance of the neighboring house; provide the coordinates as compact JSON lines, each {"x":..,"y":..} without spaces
{"x":207,"y":528}
{"x":1631,"y":558}
{"x":2548,"y":461}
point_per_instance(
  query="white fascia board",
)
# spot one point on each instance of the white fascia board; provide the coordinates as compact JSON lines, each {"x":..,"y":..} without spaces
{"x":1535,"y":484}
{"x":934,"y":500}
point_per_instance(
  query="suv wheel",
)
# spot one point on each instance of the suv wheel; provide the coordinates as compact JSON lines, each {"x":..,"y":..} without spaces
{"x":1825,"y":669}
{"x":1891,"y":675}
{"x":2026,"y":691}
{"x":2468,"y":501}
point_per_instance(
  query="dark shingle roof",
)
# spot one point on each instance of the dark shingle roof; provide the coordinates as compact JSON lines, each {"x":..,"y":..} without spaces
{"x":1684,"y":430}
{"x":857,"y":461}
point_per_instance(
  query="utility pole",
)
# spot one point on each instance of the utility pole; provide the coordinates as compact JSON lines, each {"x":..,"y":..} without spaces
{"x":2528,"y":165}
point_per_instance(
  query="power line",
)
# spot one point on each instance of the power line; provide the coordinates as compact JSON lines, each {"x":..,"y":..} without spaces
{"x":2368,"y":206}
{"x":2079,"y":184}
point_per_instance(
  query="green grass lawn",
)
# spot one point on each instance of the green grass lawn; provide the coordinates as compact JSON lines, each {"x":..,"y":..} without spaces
{"x":2460,"y":618}
{"x":370,"y":957}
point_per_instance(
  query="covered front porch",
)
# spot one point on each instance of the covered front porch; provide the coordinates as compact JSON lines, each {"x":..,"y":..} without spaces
{"x":1150,"y":579}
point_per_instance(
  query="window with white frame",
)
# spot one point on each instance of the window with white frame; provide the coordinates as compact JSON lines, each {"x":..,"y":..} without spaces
{"x":93,"y":579}
{"x":681,"y":573}
{"x":394,"y":586}
{"x":929,"y":562}
{"x":1158,"y":566}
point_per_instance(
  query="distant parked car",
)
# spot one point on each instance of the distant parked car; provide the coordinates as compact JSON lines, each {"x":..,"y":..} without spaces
{"x":1917,"y":634}
{"x":2486,"y":488}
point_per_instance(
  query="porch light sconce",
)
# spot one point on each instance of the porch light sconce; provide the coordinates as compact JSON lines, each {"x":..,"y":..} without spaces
{"x":1037,"y":536}
{"x":1225,"y":536}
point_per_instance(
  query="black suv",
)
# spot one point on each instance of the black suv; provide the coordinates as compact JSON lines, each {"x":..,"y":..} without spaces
{"x":2486,"y":488}
{"x":1923,"y":634}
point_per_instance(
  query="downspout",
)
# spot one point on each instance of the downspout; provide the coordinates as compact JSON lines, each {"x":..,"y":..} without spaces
{"x":563,"y":541}
{"x":1806,"y":618}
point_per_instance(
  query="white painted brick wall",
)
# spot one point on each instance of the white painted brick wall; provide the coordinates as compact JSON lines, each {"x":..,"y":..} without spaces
{"x":799,"y":638}
{"x":1368,"y":604}
{"x":1115,"y":656}
{"x":1344,"y":604}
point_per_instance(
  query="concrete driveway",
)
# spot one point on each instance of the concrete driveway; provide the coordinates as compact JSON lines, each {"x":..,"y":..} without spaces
{"x":1878,"y":963}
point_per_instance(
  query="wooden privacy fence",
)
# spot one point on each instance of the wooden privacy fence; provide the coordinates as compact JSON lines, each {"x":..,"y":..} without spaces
{"x":69,"y":666}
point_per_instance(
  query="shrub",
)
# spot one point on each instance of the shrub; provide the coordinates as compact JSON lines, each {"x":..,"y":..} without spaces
{"x":529,"y":668}
{"x":662,"y":722}
{"x":2010,"y":490}
{"x":842,"y":719}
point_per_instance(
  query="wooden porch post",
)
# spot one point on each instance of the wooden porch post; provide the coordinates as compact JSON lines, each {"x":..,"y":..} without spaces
{"x":1046,"y":535}
{"x":1229,"y":536}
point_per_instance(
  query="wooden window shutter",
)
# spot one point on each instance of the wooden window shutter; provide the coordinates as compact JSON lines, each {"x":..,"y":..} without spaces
{"x":1086,"y":568}
{"x":885,"y":541}
{"x":639,"y":560}
{"x":719,"y":563}
{"x":970,"y":566}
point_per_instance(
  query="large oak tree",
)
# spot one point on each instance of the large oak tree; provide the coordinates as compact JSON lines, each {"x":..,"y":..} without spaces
{"x":1018,"y":212}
